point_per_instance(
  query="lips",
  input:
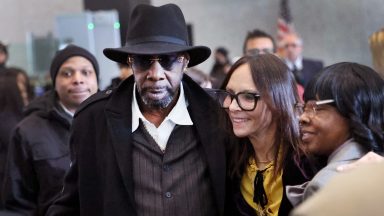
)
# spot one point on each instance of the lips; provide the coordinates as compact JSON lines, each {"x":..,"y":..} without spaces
{"x":79,"y":92}
{"x":306,"y":135}
{"x":238,"y":121}
{"x":156,"y":92}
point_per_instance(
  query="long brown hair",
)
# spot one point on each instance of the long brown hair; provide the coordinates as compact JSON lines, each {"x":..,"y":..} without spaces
{"x":278,"y":90}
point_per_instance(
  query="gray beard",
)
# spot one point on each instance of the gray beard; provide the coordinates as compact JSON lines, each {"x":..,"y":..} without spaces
{"x":158,"y":104}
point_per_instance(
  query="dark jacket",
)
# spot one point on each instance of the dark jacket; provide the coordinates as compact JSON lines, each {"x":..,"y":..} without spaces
{"x":310,"y":69}
{"x":292,"y":175}
{"x":100,"y":181}
{"x":9,"y":121}
{"x":38,"y":157}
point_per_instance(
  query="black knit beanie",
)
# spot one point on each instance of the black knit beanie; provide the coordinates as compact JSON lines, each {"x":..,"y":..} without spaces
{"x":68,"y":52}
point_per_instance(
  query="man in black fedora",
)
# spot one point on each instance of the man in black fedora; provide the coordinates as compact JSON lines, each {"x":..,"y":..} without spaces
{"x":152,"y":145}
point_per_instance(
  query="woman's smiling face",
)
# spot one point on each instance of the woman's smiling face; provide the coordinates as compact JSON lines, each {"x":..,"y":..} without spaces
{"x":247,"y":123}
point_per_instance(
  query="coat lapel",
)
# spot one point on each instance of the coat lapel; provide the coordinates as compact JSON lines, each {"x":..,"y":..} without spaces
{"x":204,"y":112}
{"x":118,"y":114}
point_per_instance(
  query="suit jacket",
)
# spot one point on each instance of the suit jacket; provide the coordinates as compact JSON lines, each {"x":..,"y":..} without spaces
{"x":353,"y":193}
{"x":310,"y":69}
{"x":346,"y":153}
{"x":100,"y":180}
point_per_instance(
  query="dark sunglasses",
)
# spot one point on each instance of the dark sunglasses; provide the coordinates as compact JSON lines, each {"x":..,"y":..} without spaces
{"x":144,"y":62}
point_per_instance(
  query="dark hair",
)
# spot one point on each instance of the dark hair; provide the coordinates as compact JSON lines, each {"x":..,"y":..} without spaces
{"x":358,"y":92}
{"x":278,"y":90}
{"x":256,"y":33}
{"x":222,"y":51}
{"x":10,"y":95}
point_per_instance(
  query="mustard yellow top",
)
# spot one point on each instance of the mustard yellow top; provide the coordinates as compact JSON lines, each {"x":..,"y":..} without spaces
{"x":273,"y":190}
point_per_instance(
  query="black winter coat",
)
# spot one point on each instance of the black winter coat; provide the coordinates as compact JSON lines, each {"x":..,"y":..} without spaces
{"x":38,"y":157}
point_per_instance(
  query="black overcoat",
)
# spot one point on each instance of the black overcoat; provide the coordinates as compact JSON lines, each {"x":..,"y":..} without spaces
{"x":100,"y":180}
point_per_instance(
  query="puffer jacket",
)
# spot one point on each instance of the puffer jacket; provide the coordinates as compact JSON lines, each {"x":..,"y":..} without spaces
{"x":38,"y":157}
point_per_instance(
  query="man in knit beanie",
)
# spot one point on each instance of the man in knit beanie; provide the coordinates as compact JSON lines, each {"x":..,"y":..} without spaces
{"x":38,"y":157}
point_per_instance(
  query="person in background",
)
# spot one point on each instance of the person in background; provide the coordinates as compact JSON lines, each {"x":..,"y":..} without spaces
{"x":259,"y":96}
{"x":220,"y":67}
{"x":199,"y":77}
{"x":342,"y":119}
{"x":304,"y":69}
{"x":38,"y":155}
{"x":14,"y":96}
{"x":152,"y":146}
{"x":3,"y":55}
{"x":125,"y":72}
{"x":259,"y":42}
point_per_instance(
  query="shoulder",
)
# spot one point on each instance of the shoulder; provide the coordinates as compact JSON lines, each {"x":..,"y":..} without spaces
{"x":313,"y":62}
{"x":99,"y":98}
{"x":322,"y":178}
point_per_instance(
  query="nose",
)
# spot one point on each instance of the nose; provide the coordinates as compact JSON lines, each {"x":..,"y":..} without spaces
{"x":234,"y":106}
{"x":77,"y":78}
{"x":304,"y":119}
{"x":155,"y":72}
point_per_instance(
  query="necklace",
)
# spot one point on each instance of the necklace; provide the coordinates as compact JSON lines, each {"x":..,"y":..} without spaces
{"x":264,"y":161}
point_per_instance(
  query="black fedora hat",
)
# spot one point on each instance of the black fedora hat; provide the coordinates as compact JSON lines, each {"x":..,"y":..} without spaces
{"x":155,"y":31}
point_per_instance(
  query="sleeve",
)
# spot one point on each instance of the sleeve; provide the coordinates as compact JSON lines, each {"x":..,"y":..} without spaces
{"x":20,"y":188}
{"x":67,"y":202}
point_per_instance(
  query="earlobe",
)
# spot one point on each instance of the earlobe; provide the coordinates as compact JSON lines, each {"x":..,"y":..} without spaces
{"x":185,"y":66}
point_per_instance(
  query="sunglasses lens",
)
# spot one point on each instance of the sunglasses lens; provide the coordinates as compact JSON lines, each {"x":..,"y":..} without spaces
{"x":142,"y":62}
{"x":167,"y":61}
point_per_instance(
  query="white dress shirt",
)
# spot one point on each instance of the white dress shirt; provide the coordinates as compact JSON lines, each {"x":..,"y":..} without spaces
{"x":298,"y":63}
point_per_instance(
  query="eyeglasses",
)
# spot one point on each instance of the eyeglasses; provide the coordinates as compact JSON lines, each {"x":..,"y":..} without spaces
{"x":247,"y":101}
{"x":293,"y":45}
{"x":310,"y":107}
{"x":254,"y":52}
{"x":144,"y":62}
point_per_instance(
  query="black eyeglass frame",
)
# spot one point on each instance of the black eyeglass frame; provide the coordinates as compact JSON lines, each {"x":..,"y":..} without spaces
{"x":221,"y":95}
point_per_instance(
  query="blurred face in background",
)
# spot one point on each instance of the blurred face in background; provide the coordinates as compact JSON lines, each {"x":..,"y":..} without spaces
{"x":292,"y":47}
{"x":3,"y":58}
{"x":22,"y":85}
{"x":259,"y":45}
{"x":75,"y":82}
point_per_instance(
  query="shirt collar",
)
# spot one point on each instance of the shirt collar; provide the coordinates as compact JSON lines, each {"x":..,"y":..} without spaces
{"x":298,"y":62}
{"x":179,"y":114}
{"x":66,"y":110}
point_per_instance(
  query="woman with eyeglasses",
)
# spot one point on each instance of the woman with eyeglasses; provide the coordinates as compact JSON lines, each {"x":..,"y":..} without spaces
{"x":259,"y":95}
{"x":342,"y":119}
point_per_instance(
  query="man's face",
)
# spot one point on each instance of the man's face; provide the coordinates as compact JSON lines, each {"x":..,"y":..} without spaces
{"x":75,"y":82}
{"x":158,"y":77}
{"x":292,"y":47}
{"x":259,"y":45}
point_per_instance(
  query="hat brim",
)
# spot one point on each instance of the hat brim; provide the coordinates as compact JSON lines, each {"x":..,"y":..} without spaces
{"x":198,"y":54}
